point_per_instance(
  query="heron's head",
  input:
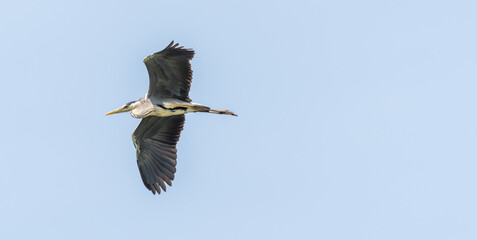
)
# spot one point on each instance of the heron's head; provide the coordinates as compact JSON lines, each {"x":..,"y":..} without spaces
{"x":125,"y":108}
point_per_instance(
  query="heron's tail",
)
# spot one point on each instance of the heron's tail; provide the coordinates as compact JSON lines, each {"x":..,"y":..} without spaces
{"x":200,"y":108}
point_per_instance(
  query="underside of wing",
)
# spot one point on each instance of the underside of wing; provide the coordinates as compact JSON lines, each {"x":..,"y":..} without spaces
{"x":170,"y":73}
{"x":155,"y":140}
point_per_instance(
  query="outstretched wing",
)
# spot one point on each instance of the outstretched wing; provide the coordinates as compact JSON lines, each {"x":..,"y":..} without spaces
{"x":155,"y":140}
{"x":170,"y":73}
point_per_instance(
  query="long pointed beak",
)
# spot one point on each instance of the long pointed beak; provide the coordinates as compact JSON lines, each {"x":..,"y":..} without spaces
{"x":113,"y":112}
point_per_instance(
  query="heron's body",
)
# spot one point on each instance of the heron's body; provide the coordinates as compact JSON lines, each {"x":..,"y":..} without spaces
{"x":162,"y":111}
{"x":165,"y":108}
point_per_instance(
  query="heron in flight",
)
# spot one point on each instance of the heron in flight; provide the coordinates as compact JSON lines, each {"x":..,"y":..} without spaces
{"x":163,"y":111}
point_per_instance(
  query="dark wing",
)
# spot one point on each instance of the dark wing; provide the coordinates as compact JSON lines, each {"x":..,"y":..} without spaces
{"x":170,"y":73}
{"x":155,"y":140}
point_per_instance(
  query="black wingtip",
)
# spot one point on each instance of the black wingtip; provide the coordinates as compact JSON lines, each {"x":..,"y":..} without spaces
{"x":170,"y":44}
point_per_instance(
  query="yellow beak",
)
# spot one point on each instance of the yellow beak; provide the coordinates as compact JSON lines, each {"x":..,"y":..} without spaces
{"x":113,"y":112}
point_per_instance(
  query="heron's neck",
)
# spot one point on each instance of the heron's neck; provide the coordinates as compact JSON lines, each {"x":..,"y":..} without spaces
{"x":139,"y":109}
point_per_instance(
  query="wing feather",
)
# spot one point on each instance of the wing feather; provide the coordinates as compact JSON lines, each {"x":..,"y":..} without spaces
{"x":170,"y":73}
{"x":155,"y":140}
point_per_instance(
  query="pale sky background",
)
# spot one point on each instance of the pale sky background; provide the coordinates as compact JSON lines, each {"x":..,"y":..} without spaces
{"x":357,"y":120}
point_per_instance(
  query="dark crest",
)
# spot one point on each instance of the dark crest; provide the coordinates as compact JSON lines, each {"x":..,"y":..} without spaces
{"x":129,"y":103}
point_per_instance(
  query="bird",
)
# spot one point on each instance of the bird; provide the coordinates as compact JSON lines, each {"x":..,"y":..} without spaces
{"x":162,"y":111}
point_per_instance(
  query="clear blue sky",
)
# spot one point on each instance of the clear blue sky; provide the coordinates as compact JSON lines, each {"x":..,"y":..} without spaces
{"x":357,"y":120}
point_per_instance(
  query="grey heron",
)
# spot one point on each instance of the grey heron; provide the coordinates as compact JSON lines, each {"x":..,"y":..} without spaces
{"x":162,"y":111}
